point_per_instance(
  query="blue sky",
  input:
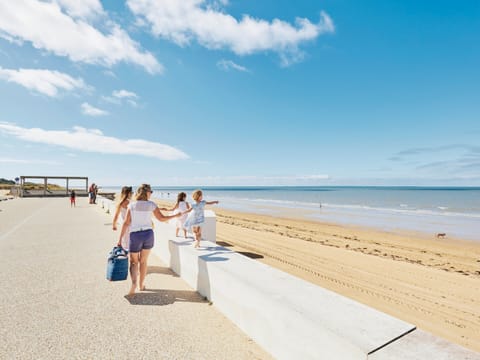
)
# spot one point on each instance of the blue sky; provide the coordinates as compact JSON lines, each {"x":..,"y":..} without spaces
{"x":191,"y":92}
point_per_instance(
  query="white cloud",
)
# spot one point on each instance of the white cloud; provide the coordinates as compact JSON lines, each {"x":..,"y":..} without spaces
{"x":121,"y":94}
{"x":48,"y":28}
{"x":247,"y":180}
{"x":226,"y":65}
{"x":111,"y":100}
{"x":110,"y":73}
{"x":132,"y":103}
{"x":23,"y":161}
{"x":187,"y":20}
{"x":90,"y":110}
{"x":93,"y":140}
{"x":85,"y":9}
{"x":46,"y":82}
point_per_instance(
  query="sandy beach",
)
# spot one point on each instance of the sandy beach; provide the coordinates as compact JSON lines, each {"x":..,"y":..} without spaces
{"x":4,"y":194}
{"x":432,"y":283}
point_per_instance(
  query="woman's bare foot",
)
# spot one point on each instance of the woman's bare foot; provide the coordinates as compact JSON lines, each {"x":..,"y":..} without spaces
{"x":132,"y":290}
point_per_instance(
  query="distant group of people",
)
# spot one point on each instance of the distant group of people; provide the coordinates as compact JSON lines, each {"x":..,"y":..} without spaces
{"x":137,"y":235}
{"x":92,"y":195}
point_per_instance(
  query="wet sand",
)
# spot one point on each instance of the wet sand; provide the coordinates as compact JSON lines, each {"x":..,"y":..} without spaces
{"x":432,"y":283}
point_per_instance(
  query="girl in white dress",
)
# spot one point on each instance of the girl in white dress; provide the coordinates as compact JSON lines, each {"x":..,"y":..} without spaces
{"x":180,"y":207}
{"x":196,"y":219}
{"x":121,"y":211}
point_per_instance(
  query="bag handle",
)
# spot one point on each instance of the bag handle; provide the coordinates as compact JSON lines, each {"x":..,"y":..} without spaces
{"x":118,"y":251}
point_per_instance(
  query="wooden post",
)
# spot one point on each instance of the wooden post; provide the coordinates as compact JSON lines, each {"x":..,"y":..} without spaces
{"x":67,"y":185}
{"x":45,"y":186}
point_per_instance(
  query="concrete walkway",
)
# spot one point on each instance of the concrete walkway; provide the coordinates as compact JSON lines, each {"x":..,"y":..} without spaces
{"x":56,"y":304}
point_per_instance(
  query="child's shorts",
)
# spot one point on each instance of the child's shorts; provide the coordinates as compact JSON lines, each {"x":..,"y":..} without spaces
{"x":141,"y":240}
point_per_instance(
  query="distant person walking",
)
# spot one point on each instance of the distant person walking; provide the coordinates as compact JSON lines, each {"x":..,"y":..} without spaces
{"x":180,"y":207}
{"x":91,"y":191}
{"x":121,"y":211}
{"x":196,"y":219}
{"x":72,"y":199}
{"x":95,"y":192}
{"x":139,"y":219}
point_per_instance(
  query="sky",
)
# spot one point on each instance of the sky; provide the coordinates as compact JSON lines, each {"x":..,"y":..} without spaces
{"x":230,"y":92}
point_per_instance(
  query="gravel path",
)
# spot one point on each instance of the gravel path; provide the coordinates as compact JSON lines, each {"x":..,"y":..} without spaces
{"x":56,"y":304}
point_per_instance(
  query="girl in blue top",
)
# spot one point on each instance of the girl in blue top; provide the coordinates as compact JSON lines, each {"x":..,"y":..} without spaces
{"x":197,"y":218}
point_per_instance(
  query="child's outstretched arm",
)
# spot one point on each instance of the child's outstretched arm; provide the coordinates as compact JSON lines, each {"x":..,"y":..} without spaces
{"x":211,"y":202}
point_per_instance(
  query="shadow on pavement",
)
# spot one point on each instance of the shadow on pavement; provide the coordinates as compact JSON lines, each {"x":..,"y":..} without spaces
{"x":162,"y":297}
{"x":160,"y":270}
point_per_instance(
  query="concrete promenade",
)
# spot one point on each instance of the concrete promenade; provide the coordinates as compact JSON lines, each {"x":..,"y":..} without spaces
{"x":56,"y":304}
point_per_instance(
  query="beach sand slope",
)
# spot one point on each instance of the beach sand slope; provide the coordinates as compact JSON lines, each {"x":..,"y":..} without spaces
{"x":434,"y":284}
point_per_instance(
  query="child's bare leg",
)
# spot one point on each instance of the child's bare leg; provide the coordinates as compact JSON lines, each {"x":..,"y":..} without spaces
{"x":176,"y":231}
{"x":198,"y":236}
{"x":185,"y":233}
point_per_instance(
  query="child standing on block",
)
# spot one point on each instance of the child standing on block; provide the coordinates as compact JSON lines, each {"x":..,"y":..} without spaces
{"x":196,"y":219}
{"x":180,"y":207}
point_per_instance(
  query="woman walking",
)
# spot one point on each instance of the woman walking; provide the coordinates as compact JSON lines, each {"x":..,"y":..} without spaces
{"x":139,"y":219}
{"x":121,"y":211}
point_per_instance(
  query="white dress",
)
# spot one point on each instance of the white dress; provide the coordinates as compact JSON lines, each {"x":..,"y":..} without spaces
{"x":182,"y":207}
{"x":126,"y":236}
{"x":197,"y":215}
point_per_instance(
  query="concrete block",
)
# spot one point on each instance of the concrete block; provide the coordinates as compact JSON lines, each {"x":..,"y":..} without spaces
{"x":209,"y":231}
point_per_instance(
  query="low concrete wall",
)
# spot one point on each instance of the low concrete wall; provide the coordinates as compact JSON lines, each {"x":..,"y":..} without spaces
{"x":289,"y":317}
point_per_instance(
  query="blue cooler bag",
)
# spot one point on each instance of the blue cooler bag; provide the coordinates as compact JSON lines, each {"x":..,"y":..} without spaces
{"x":117,"y":265}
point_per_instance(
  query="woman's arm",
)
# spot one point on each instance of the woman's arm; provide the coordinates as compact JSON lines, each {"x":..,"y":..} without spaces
{"x":126,"y":224}
{"x":115,"y":218}
{"x":160,"y":217}
{"x":172,"y":209}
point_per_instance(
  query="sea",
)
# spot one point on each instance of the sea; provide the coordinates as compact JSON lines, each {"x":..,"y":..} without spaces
{"x":454,"y":211}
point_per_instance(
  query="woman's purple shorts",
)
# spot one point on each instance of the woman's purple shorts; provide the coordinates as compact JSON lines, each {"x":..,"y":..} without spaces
{"x":141,"y":240}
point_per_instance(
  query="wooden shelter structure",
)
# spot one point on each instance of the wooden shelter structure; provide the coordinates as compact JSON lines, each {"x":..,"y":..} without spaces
{"x":41,"y":191}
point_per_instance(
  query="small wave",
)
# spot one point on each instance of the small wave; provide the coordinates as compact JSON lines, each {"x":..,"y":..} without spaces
{"x":352,"y":207}
{"x":402,"y":209}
